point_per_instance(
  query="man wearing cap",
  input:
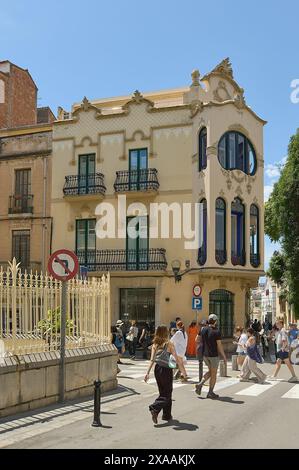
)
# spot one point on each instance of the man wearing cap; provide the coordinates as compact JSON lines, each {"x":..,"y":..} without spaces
{"x":199,"y":348}
{"x":212,"y":347}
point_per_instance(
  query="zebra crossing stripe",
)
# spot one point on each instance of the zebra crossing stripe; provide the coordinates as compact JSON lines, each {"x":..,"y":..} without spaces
{"x":292,"y":393}
{"x":256,"y":389}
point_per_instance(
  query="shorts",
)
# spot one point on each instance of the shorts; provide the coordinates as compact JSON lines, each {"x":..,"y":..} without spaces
{"x":211,"y":362}
{"x":282,"y":355}
{"x":242,"y":353}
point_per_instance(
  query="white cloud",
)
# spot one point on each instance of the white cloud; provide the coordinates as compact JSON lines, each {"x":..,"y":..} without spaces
{"x":272,"y":171}
{"x":267,"y":191}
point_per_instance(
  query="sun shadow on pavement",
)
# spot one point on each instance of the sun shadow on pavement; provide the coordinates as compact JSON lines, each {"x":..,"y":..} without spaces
{"x":178,"y":425}
{"x":225,"y":400}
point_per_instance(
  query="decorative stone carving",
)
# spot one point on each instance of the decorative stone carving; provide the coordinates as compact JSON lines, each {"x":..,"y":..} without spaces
{"x":195,"y":107}
{"x":238,"y":176}
{"x":249,"y":188}
{"x":137,"y":97}
{"x":212,"y":150}
{"x":195,"y":77}
{"x":221,"y":93}
{"x":229,"y":183}
{"x":224,"y":68}
{"x":221,"y":193}
{"x":239,"y":100}
{"x":239,"y":191}
{"x":201,"y":194}
{"x":86,"y":106}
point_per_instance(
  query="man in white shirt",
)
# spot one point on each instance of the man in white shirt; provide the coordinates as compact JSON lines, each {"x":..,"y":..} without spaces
{"x":282,"y":343}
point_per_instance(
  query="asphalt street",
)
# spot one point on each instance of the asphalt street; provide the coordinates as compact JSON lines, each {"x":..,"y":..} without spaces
{"x":247,"y":415}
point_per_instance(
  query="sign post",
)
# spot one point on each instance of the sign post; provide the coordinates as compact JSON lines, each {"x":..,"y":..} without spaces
{"x":63,"y":265}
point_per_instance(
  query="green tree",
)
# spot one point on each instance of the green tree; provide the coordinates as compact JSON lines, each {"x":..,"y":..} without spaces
{"x":282,"y":224}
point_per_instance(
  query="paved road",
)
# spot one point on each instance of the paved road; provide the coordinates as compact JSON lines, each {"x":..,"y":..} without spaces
{"x":248,"y":415}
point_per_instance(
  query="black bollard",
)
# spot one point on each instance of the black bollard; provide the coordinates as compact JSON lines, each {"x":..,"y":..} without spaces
{"x":97,"y":404}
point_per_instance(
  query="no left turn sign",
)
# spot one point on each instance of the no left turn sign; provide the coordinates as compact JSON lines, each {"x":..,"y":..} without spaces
{"x":63,"y":265}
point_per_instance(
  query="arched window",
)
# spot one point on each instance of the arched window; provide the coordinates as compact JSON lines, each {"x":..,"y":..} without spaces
{"x":202,"y":149}
{"x":221,"y":303}
{"x":220,"y":231}
{"x":202,"y":252}
{"x":254,"y":236}
{"x":235,"y":152}
{"x":238,"y":232}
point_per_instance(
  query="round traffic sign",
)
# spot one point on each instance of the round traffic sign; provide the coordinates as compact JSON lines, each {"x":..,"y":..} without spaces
{"x":63,"y":265}
{"x":197,"y":290}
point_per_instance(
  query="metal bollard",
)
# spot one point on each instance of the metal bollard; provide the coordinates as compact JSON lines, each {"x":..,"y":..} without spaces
{"x":234,"y":362}
{"x":223,"y":369}
{"x":97,"y":404}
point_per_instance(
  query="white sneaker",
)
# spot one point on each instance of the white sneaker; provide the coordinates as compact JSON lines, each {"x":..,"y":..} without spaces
{"x":271,"y":377}
{"x":293,"y":379}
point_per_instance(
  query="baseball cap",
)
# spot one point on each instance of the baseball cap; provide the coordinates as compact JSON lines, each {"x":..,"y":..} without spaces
{"x":213,"y":317}
{"x":119,"y":322}
{"x":203,"y":322}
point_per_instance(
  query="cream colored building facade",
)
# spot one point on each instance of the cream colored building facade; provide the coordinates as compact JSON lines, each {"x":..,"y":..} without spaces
{"x":201,"y":143}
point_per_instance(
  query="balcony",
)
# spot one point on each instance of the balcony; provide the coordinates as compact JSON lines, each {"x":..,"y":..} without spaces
{"x":239,"y":259}
{"x":145,"y":181}
{"x":81,"y":186}
{"x":220,"y":256}
{"x":153,"y":259}
{"x":255,"y":260}
{"x":21,"y":204}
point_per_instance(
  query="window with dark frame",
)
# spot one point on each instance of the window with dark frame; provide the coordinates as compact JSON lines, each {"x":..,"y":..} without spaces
{"x":238,"y":232}
{"x":220,"y":231}
{"x":235,"y":152}
{"x":202,"y":252}
{"x":21,"y":247}
{"x":202,"y":149}
{"x":254,"y":236}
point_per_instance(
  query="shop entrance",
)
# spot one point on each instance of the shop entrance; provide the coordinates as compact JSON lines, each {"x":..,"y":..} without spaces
{"x":137,"y":304}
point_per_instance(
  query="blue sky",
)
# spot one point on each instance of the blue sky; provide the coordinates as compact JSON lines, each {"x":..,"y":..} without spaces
{"x":95,"y":48}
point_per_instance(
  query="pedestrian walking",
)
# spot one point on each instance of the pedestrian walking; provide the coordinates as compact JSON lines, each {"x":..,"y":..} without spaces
{"x":145,"y":339}
{"x":241,"y":347}
{"x":282,"y":343}
{"x":180,"y":341}
{"x":253,"y":357}
{"x":132,"y":339}
{"x":192,"y":334}
{"x":162,"y":348}
{"x":199,"y":349}
{"x":212,"y":347}
{"x":118,"y":341}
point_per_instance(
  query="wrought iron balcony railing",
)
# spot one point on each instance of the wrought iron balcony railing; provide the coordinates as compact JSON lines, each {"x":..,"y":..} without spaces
{"x":137,"y":180}
{"x":238,"y":259}
{"x":21,"y":204}
{"x":153,"y":259}
{"x":76,"y":185}
{"x":221,"y":256}
{"x":255,"y":260}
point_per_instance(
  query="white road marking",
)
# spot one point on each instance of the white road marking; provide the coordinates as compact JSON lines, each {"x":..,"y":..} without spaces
{"x":226,"y":383}
{"x":257,"y":389}
{"x":292,"y":393}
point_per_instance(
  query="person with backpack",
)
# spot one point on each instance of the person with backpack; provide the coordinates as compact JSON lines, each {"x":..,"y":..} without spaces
{"x":162,"y":349}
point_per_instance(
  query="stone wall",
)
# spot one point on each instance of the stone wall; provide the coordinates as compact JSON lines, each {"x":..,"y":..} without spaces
{"x":31,"y":381}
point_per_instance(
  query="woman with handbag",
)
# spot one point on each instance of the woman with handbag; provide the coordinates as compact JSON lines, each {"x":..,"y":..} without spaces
{"x":162,"y":348}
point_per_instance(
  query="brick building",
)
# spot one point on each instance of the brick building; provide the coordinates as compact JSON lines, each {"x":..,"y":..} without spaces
{"x":25,"y":170}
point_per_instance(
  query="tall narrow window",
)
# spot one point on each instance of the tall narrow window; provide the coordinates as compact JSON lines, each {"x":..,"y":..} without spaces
{"x":202,"y":150}
{"x":86,"y":170}
{"x":86,"y":241}
{"x":202,"y":252}
{"x":138,"y":163}
{"x":21,"y":247}
{"x":220,"y":231}
{"x":137,"y":243}
{"x":23,"y":197}
{"x":238,"y":232}
{"x":254,"y":236}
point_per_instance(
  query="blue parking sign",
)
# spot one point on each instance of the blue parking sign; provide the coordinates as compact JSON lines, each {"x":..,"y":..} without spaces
{"x":196,"y":303}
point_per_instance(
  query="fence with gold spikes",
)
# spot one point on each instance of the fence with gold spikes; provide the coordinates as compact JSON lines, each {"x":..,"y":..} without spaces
{"x":30,"y":311}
